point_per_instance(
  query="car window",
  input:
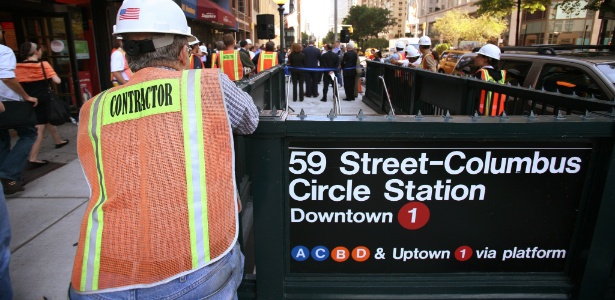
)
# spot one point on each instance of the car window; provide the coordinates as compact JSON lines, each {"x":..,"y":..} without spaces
{"x":516,"y":71}
{"x":608,"y":70}
{"x":567,"y":80}
{"x":452,"y":57}
{"x":444,"y":55}
{"x":466,"y":65}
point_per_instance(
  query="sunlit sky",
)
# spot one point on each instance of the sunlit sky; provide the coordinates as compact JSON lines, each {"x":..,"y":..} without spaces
{"x":316,"y":13}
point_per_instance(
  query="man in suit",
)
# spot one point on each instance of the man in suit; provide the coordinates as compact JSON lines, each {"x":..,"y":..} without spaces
{"x":312,"y":58}
{"x":327,"y":61}
{"x":349,"y":64}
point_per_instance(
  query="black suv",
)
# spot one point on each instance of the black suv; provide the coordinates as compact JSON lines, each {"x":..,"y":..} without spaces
{"x":566,"y":69}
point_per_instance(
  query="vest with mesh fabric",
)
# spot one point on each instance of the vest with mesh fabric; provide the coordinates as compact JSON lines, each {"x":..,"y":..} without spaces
{"x":266,"y":60}
{"x":491,"y":103}
{"x":156,"y":155}
{"x":229,"y":62}
{"x":424,"y":61}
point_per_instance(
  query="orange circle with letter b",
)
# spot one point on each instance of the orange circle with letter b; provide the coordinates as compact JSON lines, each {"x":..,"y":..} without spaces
{"x":340,"y":254}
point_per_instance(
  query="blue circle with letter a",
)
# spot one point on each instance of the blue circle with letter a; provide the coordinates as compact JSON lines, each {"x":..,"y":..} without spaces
{"x":300,"y":253}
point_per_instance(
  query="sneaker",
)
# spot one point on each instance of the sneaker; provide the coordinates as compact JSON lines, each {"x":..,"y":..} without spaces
{"x":11,"y":186}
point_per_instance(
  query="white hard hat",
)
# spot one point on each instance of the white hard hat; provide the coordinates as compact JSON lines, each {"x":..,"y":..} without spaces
{"x":196,"y":41}
{"x":412,"y":52}
{"x":203,"y":48}
{"x":155,"y":16}
{"x":490,"y":50}
{"x":425,"y":41}
{"x":400,"y":44}
{"x":249,"y":41}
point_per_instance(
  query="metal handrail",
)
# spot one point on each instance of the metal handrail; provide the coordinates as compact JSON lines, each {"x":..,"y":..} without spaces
{"x":386,"y":91}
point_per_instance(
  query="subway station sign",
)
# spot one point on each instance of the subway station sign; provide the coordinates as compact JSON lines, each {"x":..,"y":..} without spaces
{"x":432,"y":207}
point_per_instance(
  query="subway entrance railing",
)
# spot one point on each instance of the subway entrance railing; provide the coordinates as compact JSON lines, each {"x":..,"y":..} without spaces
{"x":431,"y":206}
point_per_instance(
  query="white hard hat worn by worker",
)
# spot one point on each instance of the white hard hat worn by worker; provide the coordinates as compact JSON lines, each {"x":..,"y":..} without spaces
{"x":490,"y":50}
{"x":424,"y":41}
{"x":137,"y":16}
{"x":400,"y":45}
{"x":412,"y":52}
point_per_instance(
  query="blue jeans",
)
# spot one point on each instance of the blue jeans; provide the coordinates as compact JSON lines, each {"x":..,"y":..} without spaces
{"x":219,"y":280}
{"x":13,"y":161}
{"x":6,"y":292}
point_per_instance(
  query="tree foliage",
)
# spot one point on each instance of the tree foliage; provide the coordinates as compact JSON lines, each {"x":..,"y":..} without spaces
{"x":574,"y":6}
{"x":456,"y":25}
{"x":376,"y":43}
{"x":304,"y":37}
{"x":329,"y":38}
{"x":499,"y":8}
{"x":368,"y":21}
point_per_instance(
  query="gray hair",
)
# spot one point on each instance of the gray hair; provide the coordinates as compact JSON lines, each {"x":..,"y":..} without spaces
{"x":163,"y":56}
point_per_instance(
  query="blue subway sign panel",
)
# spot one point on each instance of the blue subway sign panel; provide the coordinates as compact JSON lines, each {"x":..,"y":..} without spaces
{"x":432,"y":206}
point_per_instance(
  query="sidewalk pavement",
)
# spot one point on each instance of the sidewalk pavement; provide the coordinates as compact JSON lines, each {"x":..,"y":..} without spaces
{"x":46,"y":217}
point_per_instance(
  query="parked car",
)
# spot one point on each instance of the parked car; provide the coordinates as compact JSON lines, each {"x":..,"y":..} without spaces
{"x":449,"y":59}
{"x":563,"y":69}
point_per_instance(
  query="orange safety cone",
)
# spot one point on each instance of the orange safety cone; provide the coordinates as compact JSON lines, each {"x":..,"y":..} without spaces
{"x":360,"y":85}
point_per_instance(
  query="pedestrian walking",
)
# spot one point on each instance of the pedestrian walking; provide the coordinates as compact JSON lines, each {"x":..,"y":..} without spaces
{"x":349,"y":64}
{"x":13,"y":160}
{"x":162,"y":216}
{"x":312,"y":59}
{"x":487,"y":59}
{"x":296,"y":59}
{"x":30,"y":75}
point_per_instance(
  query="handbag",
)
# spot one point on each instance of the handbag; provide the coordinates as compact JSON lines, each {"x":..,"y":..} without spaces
{"x":17,"y":114}
{"x":58,"y":111}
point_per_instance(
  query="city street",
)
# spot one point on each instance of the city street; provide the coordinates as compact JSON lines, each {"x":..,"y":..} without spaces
{"x":45,"y":218}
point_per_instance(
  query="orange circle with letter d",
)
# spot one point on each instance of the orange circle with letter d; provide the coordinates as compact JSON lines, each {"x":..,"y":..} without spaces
{"x":360,"y":253}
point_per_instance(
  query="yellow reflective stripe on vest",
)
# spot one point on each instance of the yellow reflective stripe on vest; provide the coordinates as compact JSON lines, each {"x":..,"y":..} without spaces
{"x":265,"y":57}
{"x":192,"y":118}
{"x":141,"y":100}
{"x":91,"y":252}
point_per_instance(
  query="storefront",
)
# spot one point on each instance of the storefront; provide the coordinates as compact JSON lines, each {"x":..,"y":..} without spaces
{"x":208,"y":20}
{"x":64,"y":29}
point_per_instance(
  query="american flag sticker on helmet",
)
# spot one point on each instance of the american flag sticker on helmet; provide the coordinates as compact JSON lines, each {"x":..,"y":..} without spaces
{"x":129,"y":14}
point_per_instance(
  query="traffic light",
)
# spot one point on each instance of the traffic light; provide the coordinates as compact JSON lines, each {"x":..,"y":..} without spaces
{"x":344,"y":36}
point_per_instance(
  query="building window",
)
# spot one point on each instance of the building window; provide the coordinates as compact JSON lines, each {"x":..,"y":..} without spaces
{"x":241,"y":6}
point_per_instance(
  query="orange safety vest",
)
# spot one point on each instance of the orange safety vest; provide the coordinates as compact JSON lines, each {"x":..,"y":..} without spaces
{"x":424,"y":61}
{"x":214,"y":60}
{"x":229,"y":62}
{"x":154,"y":215}
{"x":199,"y":62}
{"x":126,"y":67}
{"x":266,"y":60}
{"x":488,"y":106}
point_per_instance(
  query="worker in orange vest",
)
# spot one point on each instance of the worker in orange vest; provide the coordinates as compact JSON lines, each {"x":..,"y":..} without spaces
{"x":487,"y":58}
{"x":162,"y":218}
{"x":429,"y":60}
{"x":234,"y":63}
{"x":195,"y":61}
{"x":214,"y":55}
{"x":266,"y":59}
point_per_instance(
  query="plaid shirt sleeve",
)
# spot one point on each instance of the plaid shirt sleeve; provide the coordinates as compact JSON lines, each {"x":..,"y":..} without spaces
{"x":242,"y":112}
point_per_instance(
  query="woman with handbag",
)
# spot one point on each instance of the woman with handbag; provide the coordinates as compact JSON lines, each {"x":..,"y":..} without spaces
{"x":33,"y":75}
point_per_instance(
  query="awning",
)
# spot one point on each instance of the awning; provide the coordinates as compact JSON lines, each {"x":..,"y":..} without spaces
{"x":212,"y":12}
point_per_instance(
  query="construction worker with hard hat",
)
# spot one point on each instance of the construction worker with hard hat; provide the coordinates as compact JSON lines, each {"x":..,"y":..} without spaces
{"x":487,"y":59}
{"x":195,"y":61}
{"x":412,"y":56}
{"x":234,"y":63}
{"x":157,"y":153}
{"x":429,"y":60}
{"x":399,"y":53}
